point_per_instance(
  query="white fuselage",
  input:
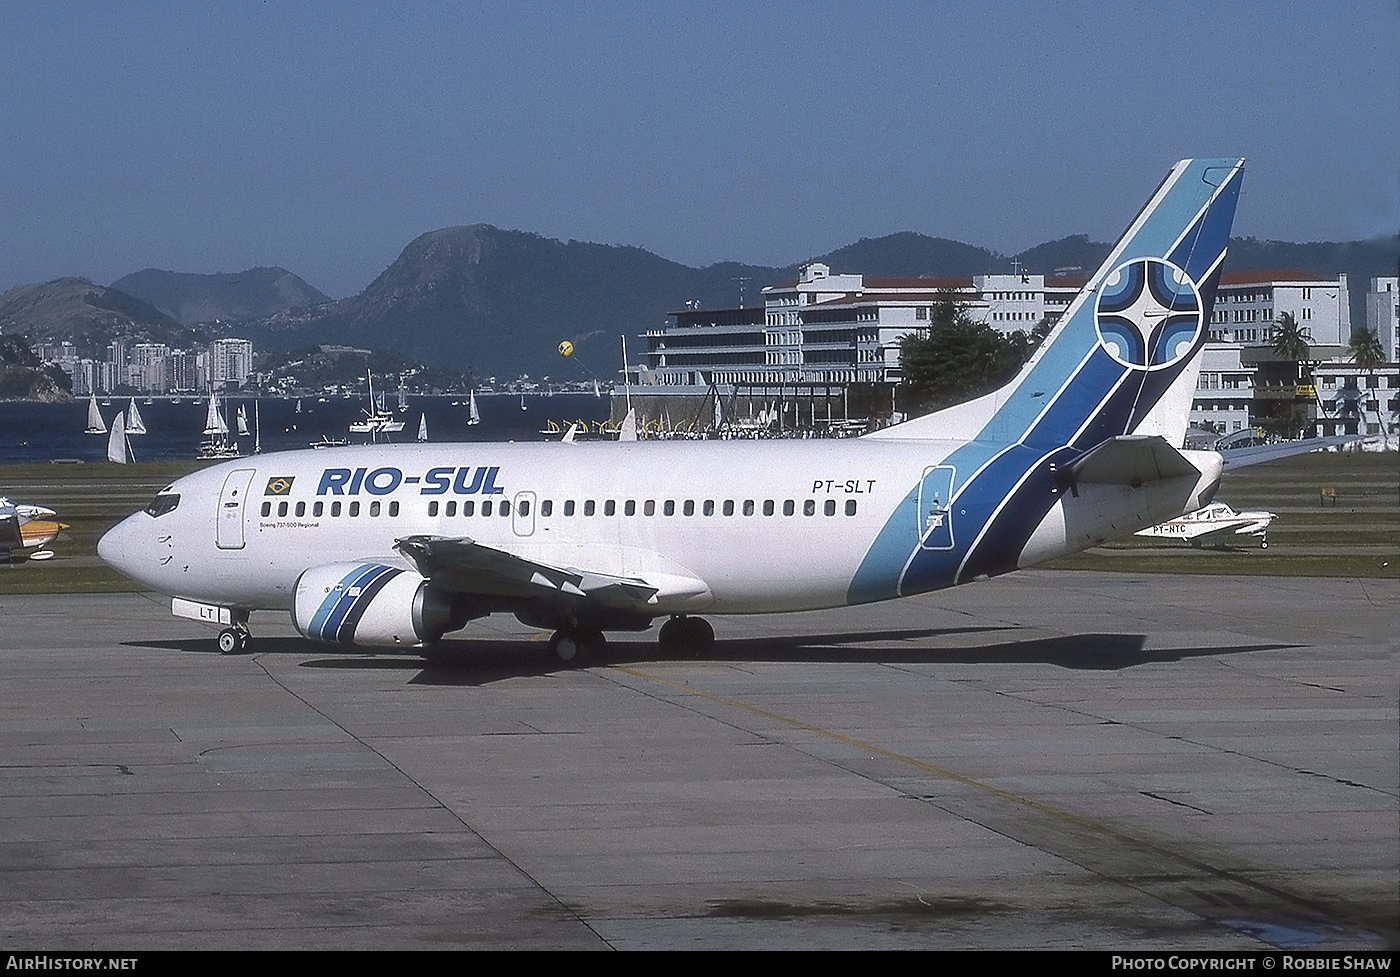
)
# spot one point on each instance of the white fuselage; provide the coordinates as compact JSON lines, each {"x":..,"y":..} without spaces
{"x":766,"y":525}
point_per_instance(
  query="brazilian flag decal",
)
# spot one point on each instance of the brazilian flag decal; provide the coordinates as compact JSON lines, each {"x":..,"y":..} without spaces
{"x":278,"y":486}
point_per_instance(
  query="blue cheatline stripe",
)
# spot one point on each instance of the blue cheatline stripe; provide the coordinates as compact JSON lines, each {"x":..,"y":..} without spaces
{"x":326,"y":621}
{"x":346,"y":634}
{"x":1066,"y":403}
{"x":354,"y":606}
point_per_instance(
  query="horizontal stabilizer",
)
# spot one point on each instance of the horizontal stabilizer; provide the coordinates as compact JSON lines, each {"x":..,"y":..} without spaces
{"x":1131,"y":460}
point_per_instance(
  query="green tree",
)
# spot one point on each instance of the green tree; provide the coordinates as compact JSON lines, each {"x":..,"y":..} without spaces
{"x":956,"y":359}
{"x":1365,"y":350}
{"x":1284,"y":413}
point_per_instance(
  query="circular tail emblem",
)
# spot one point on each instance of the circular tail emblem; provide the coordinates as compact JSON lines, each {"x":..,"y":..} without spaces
{"x":1148,"y":314}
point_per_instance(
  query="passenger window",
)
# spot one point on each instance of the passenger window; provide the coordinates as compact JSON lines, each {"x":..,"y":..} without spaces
{"x":789,"y":507}
{"x":767,"y":507}
{"x":850,"y":507}
{"x":524,"y":507}
{"x":589,"y":508}
{"x":505,"y":507}
{"x":301,"y":509}
{"x":709,"y":507}
{"x":354,"y":508}
{"x":486,"y":508}
{"x":830,"y":507}
{"x":374,"y":508}
{"x":281,"y":509}
{"x":267,"y":509}
{"x":649,"y":509}
{"x":318,"y":509}
{"x":809,"y":508}
{"x":669,"y":507}
{"x":468,"y":508}
{"x":610,"y":508}
{"x":432,"y":508}
{"x":689,"y":507}
{"x":335,"y":508}
{"x":547,"y":507}
{"x":569,"y":507}
{"x":393,"y":508}
{"x":729,"y":507}
{"x":630,"y":509}
{"x":452,"y":509}
{"x":748,"y":507}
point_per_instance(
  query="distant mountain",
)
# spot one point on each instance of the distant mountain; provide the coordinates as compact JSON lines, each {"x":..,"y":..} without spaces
{"x":499,"y":302}
{"x":907,"y":254}
{"x":86,"y":314}
{"x":246,"y":295}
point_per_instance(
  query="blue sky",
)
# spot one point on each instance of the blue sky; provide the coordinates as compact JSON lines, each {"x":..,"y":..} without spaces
{"x":323,"y":137}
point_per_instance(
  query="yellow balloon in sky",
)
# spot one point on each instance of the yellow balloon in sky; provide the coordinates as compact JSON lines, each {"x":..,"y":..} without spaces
{"x":566,"y":348}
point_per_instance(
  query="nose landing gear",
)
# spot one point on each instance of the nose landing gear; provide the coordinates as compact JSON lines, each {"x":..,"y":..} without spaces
{"x":234,"y":639}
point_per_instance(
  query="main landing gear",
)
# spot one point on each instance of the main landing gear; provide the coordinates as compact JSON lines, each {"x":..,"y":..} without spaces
{"x":572,"y":644}
{"x":683,"y":635}
{"x":679,"y":636}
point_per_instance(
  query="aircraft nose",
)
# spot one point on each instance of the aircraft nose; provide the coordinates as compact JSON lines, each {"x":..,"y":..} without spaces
{"x":113,"y":545}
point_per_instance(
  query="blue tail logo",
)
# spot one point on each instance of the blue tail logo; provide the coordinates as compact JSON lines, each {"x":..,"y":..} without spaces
{"x":1149,"y":314}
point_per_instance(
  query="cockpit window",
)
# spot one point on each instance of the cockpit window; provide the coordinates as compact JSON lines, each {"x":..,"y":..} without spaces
{"x":163,"y":503}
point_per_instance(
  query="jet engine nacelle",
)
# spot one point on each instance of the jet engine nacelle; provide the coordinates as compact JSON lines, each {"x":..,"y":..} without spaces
{"x":369,"y":604}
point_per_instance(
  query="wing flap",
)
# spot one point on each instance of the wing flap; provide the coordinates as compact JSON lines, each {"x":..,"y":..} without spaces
{"x":462,"y":564}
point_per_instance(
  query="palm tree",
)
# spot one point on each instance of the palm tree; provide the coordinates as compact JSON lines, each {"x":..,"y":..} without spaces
{"x":1288,"y":339}
{"x":1365,"y":350}
{"x":1290,"y":345}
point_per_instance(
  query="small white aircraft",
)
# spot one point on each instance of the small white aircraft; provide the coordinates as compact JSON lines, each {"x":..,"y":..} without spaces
{"x":27,"y":527}
{"x":1217,"y":523}
{"x":397,"y":545}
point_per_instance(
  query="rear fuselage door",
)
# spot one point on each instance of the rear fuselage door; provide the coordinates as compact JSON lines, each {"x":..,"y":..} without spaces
{"x":233,"y":500}
{"x":935,"y":508}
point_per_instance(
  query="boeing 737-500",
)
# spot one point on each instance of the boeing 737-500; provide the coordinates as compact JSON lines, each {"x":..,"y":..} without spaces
{"x":398,"y":545}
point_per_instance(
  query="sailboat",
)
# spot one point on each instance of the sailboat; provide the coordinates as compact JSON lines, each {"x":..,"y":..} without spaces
{"x":242,"y":421}
{"x":403,"y":397}
{"x":377,"y":420}
{"x":118,"y":447}
{"x":422,"y":427}
{"x":473,"y":415}
{"x":95,"y":424}
{"x":216,"y":430}
{"x":134,"y":423}
{"x":257,"y":428}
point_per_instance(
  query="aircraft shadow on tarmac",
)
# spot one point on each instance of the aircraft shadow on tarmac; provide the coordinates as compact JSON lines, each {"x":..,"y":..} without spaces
{"x":486,"y":660}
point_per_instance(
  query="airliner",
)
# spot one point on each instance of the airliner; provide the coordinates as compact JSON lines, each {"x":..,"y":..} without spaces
{"x":398,"y":545}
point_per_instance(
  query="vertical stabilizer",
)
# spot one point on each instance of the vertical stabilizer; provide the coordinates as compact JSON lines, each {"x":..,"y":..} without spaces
{"x":1123,"y":358}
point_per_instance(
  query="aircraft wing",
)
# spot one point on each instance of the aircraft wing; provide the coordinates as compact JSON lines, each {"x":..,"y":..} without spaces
{"x":462,"y":565}
{"x":1260,"y":453}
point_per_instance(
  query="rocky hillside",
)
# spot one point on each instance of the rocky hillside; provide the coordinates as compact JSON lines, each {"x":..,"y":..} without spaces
{"x":257,"y":293}
{"x":86,"y":314}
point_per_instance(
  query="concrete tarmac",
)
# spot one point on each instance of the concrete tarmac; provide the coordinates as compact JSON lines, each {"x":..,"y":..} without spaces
{"x":1051,"y":759}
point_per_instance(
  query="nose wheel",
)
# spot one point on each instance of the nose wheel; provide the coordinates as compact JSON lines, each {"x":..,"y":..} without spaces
{"x":235,"y":640}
